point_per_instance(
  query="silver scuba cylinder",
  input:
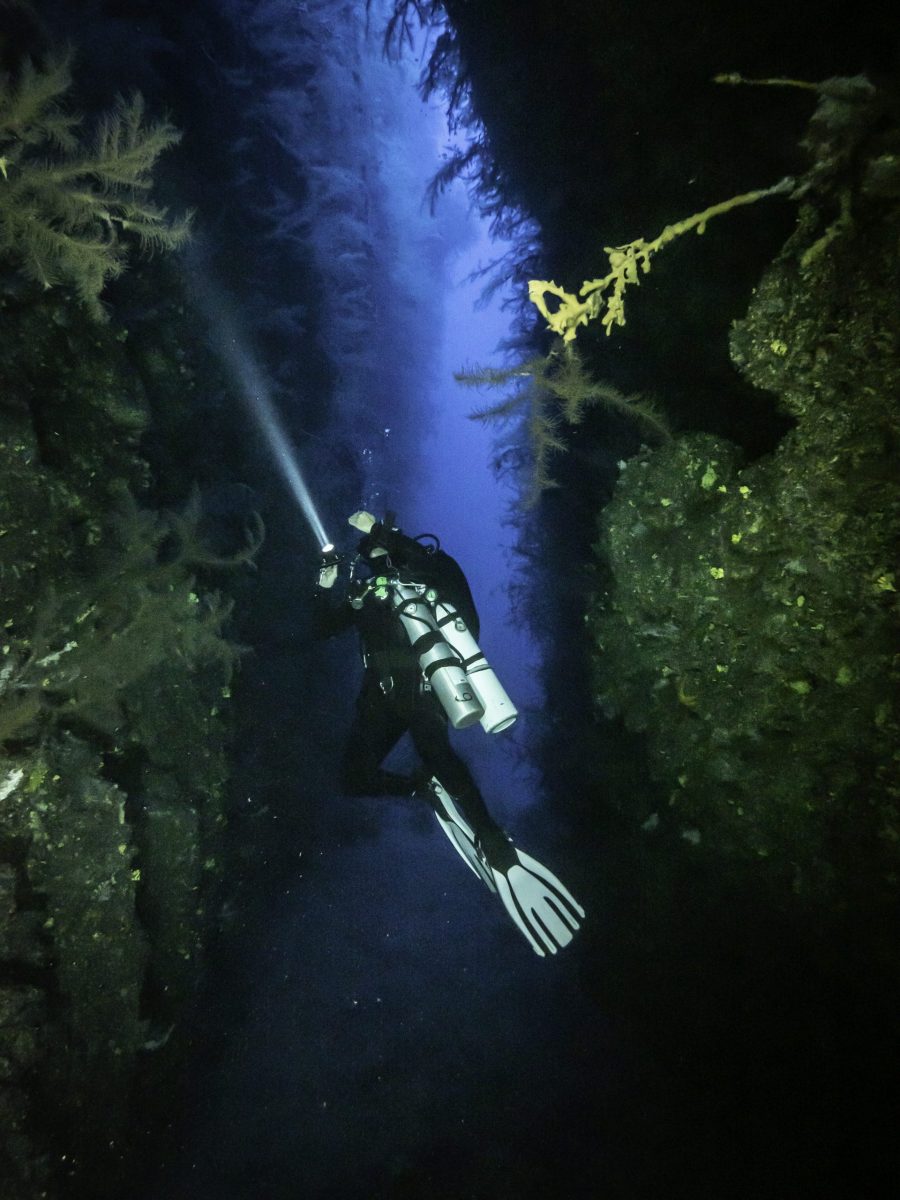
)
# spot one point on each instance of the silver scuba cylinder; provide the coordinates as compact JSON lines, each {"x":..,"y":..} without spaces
{"x":440,"y":664}
{"x":499,"y":710}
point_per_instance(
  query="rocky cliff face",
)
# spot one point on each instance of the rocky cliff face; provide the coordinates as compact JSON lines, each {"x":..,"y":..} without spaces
{"x":111,"y":698}
{"x":114,"y":679}
{"x":750,"y":622}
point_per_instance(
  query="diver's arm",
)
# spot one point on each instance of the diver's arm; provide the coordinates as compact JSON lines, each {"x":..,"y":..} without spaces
{"x":430,"y":566}
{"x":329,"y":619}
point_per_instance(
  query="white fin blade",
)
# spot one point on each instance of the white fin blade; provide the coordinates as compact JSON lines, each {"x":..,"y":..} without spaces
{"x":531,"y":896}
{"x":509,"y":903}
{"x":556,"y":885}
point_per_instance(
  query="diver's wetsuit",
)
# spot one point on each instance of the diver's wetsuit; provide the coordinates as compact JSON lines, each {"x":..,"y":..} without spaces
{"x":392,"y":701}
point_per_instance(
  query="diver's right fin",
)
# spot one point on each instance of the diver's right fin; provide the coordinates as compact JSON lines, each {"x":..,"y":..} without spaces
{"x":460,"y":833}
{"x":541,"y":906}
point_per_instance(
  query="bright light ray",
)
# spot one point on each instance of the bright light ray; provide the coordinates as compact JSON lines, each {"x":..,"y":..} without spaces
{"x":255,"y":394}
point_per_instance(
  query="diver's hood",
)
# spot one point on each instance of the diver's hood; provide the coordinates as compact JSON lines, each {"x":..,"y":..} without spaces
{"x":369,"y":547}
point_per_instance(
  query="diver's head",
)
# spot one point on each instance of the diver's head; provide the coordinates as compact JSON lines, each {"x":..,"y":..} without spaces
{"x":371,"y":552}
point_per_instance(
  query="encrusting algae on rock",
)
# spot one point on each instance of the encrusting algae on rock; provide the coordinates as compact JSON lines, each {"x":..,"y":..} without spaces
{"x":749,"y":621}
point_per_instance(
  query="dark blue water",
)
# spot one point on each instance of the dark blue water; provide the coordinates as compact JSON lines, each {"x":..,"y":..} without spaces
{"x":398,"y":1027}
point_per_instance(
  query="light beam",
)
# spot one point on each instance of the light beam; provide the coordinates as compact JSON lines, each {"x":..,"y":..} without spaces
{"x":255,"y":393}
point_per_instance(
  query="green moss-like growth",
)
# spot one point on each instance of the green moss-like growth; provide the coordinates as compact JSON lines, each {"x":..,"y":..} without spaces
{"x":749,"y":621}
{"x":80,"y":657}
{"x":114,"y":674}
{"x":112,"y":770}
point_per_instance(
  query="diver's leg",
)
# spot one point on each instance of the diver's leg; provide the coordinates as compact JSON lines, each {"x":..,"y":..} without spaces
{"x":428,"y":727}
{"x":545,"y":911}
{"x":377,"y":727}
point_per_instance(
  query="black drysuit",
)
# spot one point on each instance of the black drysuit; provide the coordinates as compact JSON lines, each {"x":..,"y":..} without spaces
{"x":392,"y":700}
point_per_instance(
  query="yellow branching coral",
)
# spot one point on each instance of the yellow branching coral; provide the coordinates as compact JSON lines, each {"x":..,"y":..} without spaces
{"x":626,"y":263}
{"x":735,"y":77}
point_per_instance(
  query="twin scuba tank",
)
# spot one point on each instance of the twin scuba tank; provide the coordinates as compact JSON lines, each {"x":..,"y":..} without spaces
{"x":451,"y":660}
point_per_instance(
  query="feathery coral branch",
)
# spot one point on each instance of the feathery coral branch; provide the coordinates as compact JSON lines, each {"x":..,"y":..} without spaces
{"x":67,"y":210}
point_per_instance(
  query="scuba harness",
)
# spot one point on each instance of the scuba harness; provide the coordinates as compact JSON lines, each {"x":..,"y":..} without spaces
{"x":452,"y":663}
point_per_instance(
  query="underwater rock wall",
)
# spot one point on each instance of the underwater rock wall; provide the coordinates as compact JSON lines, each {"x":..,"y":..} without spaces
{"x":114,"y":673}
{"x":747,"y":618}
{"x":112,"y":679}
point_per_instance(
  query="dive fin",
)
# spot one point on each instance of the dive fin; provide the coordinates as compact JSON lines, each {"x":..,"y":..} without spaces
{"x":545,"y":911}
{"x":460,"y":833}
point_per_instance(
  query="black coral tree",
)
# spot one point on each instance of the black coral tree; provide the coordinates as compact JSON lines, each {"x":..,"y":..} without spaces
{"x":68,"y":206}
{"x":548,"y":393}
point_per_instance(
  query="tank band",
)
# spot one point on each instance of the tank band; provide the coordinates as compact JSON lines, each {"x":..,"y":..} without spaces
{"x":427,"y":642}
{"x":441,"y":662}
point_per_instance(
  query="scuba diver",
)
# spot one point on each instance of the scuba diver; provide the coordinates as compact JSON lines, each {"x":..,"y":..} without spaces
{"x":413,"y":610}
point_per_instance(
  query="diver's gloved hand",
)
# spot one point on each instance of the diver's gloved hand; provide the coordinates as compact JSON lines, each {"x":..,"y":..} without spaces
{"x":328,"y":574}
{"x":363,"y":521}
